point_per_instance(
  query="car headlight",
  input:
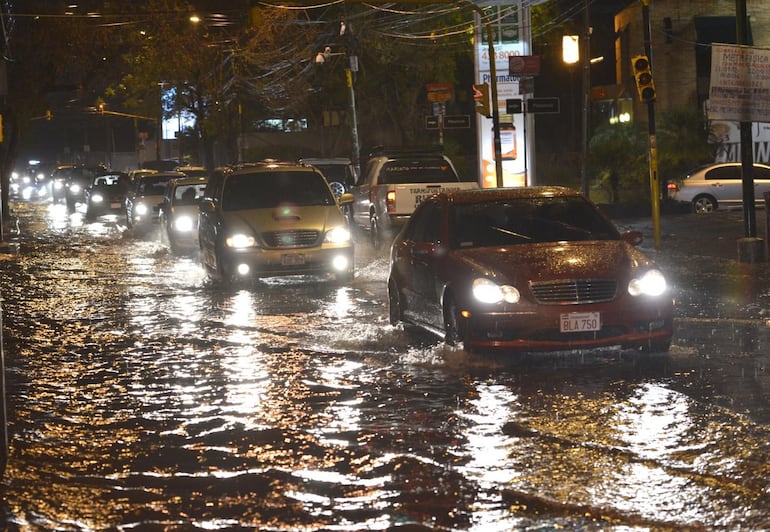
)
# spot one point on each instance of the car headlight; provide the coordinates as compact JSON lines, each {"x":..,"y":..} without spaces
{"x":239,"y":240}
{"x":75,"y":189}
{"x":58,"y":185}
{"x":487,"y":291}
{"x":97,"y":198}
{"x":338,"y":235}
{"x":141,"y":209}
{"x":651,"y":283}
{"x":183,"y":224}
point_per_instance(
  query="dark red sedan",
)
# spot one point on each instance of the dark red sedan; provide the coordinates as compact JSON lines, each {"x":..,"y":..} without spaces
{"x":526,"y":269}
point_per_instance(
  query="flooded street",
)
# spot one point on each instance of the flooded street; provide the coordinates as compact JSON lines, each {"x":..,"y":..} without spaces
{"x":141,"y":396}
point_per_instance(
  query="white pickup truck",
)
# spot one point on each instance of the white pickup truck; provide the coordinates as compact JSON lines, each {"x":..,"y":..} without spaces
{"x":392,"y":186}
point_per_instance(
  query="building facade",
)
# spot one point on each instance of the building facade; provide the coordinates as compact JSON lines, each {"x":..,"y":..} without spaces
{"x":680,"y":36}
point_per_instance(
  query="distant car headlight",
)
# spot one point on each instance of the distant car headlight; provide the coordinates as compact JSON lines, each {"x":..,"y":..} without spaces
{"x":338,"y":235}
{"x":97,"y":198}
{"x":651,"y":283}
{"x":26,"y":180}
{"x":75,"y":188}
{"x":184,"y":224}
{"x":240,"y":241}
{"x":487,"y":291}
{"x":58,"y":185}
{"x":141,"y":209}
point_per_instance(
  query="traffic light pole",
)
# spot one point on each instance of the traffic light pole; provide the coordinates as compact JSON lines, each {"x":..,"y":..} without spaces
{"x":652,"y":144}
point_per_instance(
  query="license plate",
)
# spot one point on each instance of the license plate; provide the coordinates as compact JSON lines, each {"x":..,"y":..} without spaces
{"x":115,"y":205}
{"x":293,"y":259}
{"x":580,"y":322}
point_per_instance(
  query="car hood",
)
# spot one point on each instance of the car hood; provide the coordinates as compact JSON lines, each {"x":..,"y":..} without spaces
{"x":555,"y":260}
{"x":317,"y":218}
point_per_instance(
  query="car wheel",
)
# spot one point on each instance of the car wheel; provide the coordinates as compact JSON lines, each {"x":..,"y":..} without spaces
{"x":395,"y":307}
{"x":704,"y":204}
{"x":453,"y":333}
{"x":374,"y":232}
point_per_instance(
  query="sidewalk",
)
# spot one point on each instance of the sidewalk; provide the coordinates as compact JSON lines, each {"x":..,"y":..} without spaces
{"x":714,"y":234}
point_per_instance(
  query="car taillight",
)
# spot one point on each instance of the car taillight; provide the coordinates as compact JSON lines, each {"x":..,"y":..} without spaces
{"x":672,"y":187}
{"x":390,"y":201}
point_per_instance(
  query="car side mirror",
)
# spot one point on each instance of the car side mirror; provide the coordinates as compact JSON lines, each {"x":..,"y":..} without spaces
{"x":206,"y":206}
{"x":346,"y":199}
{"x":633,"y":237}
{"x":423,"y":249}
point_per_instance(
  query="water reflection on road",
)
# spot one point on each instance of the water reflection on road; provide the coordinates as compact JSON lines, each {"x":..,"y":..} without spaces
{"x":140,"y":395}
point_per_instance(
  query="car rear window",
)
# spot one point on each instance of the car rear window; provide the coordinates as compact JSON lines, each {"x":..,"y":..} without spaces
{"x":266,"y":190}
{"x":400,"y":172}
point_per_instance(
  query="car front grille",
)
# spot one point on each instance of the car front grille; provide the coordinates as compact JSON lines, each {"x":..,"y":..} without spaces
{"x":290,"y":239}
{"x":575,"y":291}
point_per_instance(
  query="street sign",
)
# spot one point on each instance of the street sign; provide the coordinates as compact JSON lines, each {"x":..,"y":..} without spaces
{"x":439,"y":92}
{"x":543,"y":105}
{"x":514,"y":106}
{"x":457,"y":122}
{"x":523,"y":65}
{"x":450,"y":122}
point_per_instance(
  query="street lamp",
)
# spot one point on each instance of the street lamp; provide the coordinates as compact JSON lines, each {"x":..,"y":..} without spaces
{"x":352,"y":66}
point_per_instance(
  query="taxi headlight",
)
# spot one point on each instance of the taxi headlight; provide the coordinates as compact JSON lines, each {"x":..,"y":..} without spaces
{"x":650,"y":283}
{"x":75,"y":189}
{"x":239,"y":240}
{"x":338,"y":235}
{"x":97,"y":198}
{"x":183,"y":224}
{"x":141,"y":209}
{"x":487,"y":291}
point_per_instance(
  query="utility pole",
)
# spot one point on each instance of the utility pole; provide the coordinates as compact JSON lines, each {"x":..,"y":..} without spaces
{"x":585,"y":63}
{"x":747,"y":142}
{"x":652,"y":145}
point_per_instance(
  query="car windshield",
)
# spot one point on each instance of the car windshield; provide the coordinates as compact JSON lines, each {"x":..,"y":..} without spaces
{"x":152,"y":185}
{"x":526,"y":221}
{"x":266,"y":190}
{"x":399,"y":172}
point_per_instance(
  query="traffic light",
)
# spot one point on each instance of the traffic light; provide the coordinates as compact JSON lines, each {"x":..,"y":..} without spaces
{"x":481,"y":97}
{"x":643,"y":78}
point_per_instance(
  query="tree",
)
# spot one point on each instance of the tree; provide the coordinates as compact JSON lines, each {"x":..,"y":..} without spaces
{"x":50,"y":61}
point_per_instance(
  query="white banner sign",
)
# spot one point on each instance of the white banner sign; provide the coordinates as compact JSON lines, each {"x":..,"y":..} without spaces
{"x":740,"y":84}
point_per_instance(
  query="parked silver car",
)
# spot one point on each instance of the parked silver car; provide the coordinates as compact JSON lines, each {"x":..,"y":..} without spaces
{"x":718,"y":186}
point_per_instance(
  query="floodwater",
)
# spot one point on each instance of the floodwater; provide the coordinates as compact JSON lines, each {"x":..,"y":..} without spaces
{"x":140,"y":396}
